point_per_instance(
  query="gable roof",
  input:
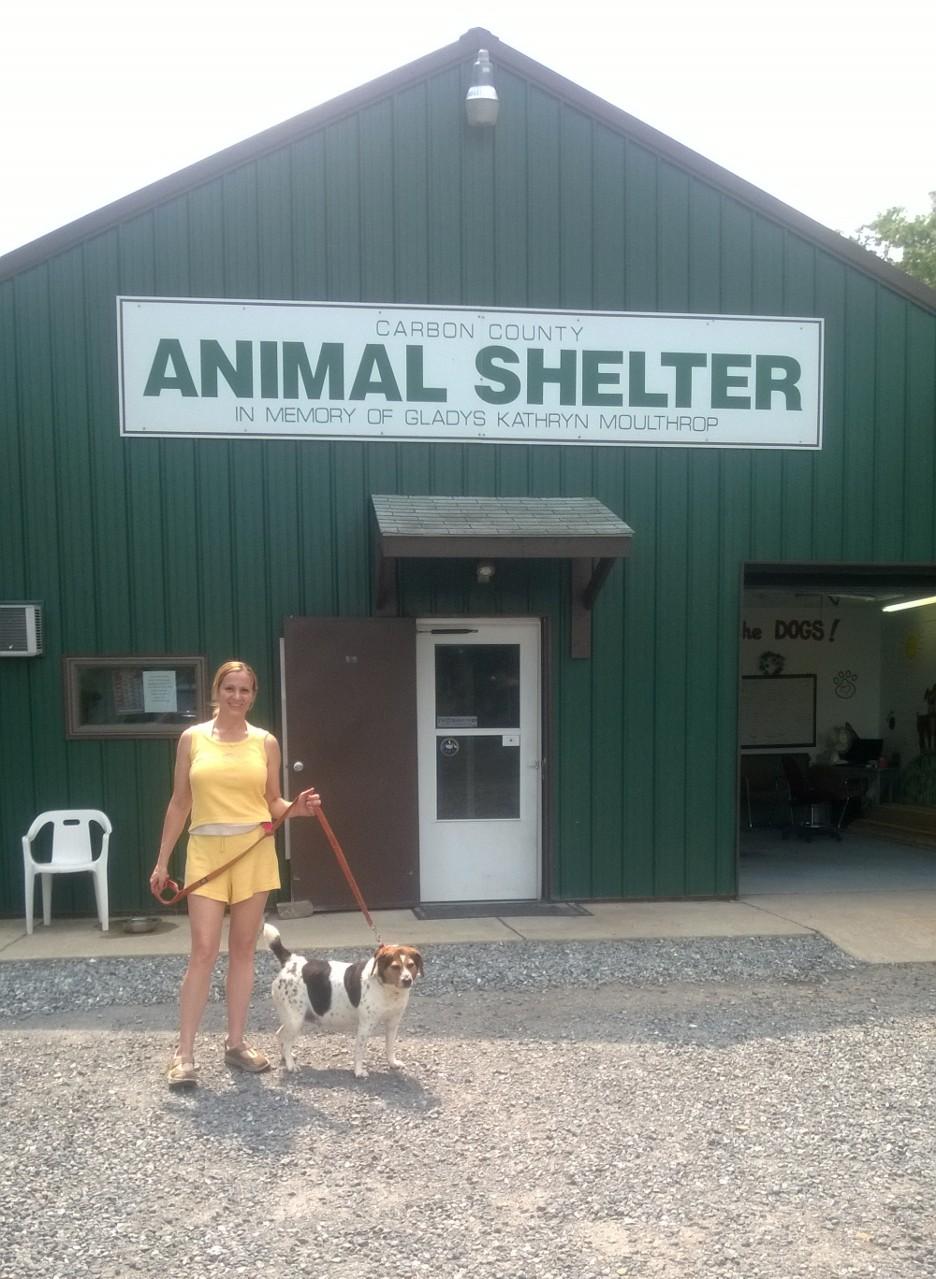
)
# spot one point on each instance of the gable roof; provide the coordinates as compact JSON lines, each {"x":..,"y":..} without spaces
{"x":465,"y":48}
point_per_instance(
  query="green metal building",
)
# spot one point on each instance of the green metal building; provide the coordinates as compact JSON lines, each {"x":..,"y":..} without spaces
{"x":505,"y":670}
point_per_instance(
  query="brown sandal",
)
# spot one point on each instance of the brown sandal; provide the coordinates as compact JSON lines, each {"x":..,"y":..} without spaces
{"x":247,"y":1058}
{"x":181,"y":1074}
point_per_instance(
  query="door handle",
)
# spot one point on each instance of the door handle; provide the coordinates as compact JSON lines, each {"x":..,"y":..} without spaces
{"x":298,"y":766}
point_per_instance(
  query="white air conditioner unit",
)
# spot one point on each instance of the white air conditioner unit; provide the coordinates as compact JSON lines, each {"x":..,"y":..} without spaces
{"x":20,"y":630}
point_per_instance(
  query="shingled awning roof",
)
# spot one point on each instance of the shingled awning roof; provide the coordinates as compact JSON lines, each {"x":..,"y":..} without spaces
{"x":580,"y":529}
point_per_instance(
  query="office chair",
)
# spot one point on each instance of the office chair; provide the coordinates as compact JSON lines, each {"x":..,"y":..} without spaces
{"x":810,"y":808}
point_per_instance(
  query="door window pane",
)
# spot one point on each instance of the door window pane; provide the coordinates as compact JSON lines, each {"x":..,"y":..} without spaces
{"x":477,"y":685}
{"x":476,"y":778}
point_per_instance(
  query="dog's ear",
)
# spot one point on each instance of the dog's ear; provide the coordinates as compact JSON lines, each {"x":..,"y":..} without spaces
{"x":418,"y":960}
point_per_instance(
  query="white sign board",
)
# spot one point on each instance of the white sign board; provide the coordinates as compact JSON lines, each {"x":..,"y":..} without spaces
{"x":308,"y":370}
{"x":778,"y":711}
{"x":159,"y":691}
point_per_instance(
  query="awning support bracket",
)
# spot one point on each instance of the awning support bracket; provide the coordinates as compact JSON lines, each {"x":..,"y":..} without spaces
{"x":586,"y":578}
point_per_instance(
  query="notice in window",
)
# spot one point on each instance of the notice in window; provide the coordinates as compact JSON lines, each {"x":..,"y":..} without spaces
{"x":159,"y":692}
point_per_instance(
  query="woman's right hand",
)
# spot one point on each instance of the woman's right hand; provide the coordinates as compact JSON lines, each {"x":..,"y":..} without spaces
{"x":159,"y":878}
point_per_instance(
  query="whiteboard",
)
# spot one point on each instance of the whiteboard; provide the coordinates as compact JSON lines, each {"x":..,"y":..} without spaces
{"x":778,"y":710}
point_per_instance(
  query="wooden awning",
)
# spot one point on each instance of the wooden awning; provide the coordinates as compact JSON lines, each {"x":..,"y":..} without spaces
{"x":579,"y":529}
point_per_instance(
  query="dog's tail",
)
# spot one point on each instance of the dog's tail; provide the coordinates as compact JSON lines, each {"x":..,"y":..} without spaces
{"x":275,"y":943}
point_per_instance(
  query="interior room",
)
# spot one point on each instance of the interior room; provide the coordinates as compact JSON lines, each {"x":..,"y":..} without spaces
{"x":837,"y":769}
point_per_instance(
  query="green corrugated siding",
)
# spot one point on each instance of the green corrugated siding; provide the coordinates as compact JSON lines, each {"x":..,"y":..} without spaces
{"x":172,"y":545}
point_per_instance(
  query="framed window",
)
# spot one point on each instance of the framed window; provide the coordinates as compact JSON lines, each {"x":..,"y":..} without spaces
{"x":133,"y":696}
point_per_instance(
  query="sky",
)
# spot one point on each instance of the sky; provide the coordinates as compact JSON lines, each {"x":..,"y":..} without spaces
{"x":830,"y":105}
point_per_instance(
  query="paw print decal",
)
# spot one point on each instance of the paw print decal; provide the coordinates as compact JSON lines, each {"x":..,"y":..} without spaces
{"x":771,"y":663}
{"x":845,"y":686}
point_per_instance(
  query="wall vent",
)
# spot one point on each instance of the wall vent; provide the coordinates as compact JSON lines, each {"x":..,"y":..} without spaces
{"x":20,"y":630}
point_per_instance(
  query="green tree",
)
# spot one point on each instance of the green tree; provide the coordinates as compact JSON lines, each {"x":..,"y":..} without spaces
{"x":909,"y":243}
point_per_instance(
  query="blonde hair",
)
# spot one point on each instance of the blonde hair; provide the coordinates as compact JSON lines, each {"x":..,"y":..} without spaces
{"x":221,"y":674}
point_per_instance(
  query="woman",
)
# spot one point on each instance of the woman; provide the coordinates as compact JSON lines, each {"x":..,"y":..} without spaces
{"x":227,"y":775}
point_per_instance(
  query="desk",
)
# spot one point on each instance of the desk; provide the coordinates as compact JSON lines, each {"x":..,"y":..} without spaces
{"x":881,"y":782}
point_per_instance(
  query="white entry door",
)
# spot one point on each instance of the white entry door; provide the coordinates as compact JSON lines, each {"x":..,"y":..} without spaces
{"x":478,"y":728}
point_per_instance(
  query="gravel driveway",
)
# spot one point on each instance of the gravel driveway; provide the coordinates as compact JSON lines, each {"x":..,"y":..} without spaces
{"x":753,"y":1109}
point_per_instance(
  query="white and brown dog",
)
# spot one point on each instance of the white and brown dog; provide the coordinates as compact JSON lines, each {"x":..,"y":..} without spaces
{"x":359,"y":997}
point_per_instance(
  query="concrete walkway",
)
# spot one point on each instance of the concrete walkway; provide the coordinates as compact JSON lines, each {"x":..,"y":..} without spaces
{"x":84,"y":939}
{"x":873,"y":898}
{"x":877,"y":927}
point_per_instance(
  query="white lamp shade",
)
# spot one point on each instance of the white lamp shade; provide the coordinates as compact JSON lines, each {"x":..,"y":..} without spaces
{"x":482,"y":105}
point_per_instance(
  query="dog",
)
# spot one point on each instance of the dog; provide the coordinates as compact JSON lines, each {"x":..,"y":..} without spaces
{"x":359,"y":997}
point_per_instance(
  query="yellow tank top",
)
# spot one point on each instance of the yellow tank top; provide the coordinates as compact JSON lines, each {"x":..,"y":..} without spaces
{"x":228,"y":779}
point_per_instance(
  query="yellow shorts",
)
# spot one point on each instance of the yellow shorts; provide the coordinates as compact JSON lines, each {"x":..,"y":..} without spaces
{"x":257,"y":872}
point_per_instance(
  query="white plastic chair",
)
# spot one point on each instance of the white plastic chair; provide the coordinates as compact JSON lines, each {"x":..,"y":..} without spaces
{"x":71,"y":852}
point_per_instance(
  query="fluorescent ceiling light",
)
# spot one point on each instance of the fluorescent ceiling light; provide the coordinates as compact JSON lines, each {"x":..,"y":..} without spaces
{"x":895,"y":608}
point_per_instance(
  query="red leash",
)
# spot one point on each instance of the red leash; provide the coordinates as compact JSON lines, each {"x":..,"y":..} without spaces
{"x":268,"y":828}
{"x":343,"y":863}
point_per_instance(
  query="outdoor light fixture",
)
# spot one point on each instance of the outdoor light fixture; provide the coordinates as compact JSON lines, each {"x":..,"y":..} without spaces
{"x":484,"y":572}
{"x":481,"y":102}
{"x":896,"y":608}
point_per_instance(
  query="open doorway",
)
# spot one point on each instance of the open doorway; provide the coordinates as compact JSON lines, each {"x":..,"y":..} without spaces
{"x":837,"y":768}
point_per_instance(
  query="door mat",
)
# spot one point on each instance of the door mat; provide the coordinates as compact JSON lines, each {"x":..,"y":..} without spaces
{"x":483,"y":910}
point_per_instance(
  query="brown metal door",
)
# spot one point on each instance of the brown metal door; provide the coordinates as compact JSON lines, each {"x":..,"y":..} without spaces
{"x":351,"y":724}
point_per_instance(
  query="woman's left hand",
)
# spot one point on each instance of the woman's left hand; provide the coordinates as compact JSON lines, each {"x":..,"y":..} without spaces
{"x":307,"y":802}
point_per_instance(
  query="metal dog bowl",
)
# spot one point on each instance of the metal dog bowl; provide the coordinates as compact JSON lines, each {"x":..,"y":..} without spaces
{"x":140,"y":924}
